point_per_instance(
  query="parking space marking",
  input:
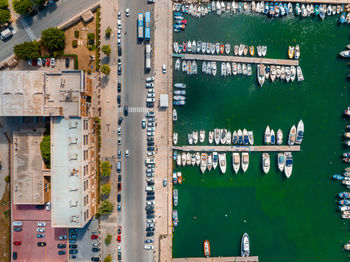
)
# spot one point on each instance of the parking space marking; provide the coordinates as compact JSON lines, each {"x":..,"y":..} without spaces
{"x":28,"y":29}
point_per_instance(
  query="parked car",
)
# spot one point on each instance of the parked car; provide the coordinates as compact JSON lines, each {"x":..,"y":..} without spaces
{"x":95,"y":244}
{"x":150,"y":229}
{"x":127,"y":12}
{"x":17,"y":243}
{"x":118,"y":99}
{"x":150,"y":153}
{"x":119,"y":178}
{"x":148,"y":247}
{"x":39,"y":62}
{"x":119,"y":154}
{"x":120,"y":120}
{"x":119,"y":198}
{"x":151,"y":91}
{"x":94,"y":236}
{"x":72,"y":241}
{"x":150,"y":174}
{"x":62,"y":252}
{"x":150,"y":139}
{"x":40,"y":229}
{"x":48,"y":206}
{"x":149,"y":216}
{"x":150,"y":113}
{"x":119,"y":24}
{"x":151,"y":124}
{"x":150,"y":133}
{"x":151,"y":95}
{"x":119,"y":187}
{"x":151,"y":129}
{"x":150,"y":193}
{"x":119,"y":131}
{"x":150,"y":221}
{"x":127,"y":153}
{"x":73,"y":246}
{"x":150,"y":183}
{"x":17,"y":229}
{"x":143,"y":123}
{"x":14,"y":255}
{"x":119,"y":255}
{"x":47,"y":62}
{"x":164,"y":69}
{"x":61,"y":237}
{"x":41,"y":224}
{"x":53,"y":62}
{"x":73,"y":251}
{"x":149,"y":234}
{"x":40,"y":235}
{"x":151,"y":119}
{"x":150,"y":198}
{"x":164,"y":182}
{"x":149,"y":85}
{"x":95,"y":259}
{"x":126,"y":111}
{"x":119,"y":207}
{"x":61,"y":245}
{"x":150,"y":79}
{"x":119,"y":15}
{"x":149,"y":241}
{"x":119,"y":87}
{"x":95,"y":249}
{"x":119,"y":238}
{"x":150,"y":148}
{"x":41,"y":244}
{"x":74,"y":236}
{"x":119,"y":70}
{"x":149,"y":105}
{"x":150,"y":202}
{"x":119,"y":230}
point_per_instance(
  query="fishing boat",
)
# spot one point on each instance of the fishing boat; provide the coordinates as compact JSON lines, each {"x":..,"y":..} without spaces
{"x":223,"y":69}
{"x":292,"y":135}
{"x":190,"y":138}
{"x":234,"y":137}
{"x":195,"y":137}
{"x":174,"y":115}
{"x":198,"y":159}
{"x":235,"y":161}
{"x":217,"y":135}
{"x":261,"y":74}
{"x":279,"y":137}
{"x":223,"y":136}
{"x":267,"y":136}
{"x":227,"y":49}
{"x":240,"y":137}
{"x":228,"y":69}
{"x":215,"y":159}
{"x":236,"y":50}
{"x":211,"y":137}
{"x":273,"y":137}
{"x":251,"y":137}
{"x":245,"y":137}
{"x":206,"y":248}
{"x":213,"y":68}
{"x":222,"y":162}
{"x":288,"y":168}
{"x":291,"y":52}
{"x":300,"y":133}
{"x":203,"y":166}
{"x":234,"y":68}
{"x":210,"y":162}
{"x":175,"y":138}
{"x":281,"y":160}
{"x":245,"y":246}
{"x":300,"y":74}
{"x":245,"y":161}
{"x":266,"y":162}
{"x":293,"y":72}
{"x":251,"y":50}
{"x":201,"y":136}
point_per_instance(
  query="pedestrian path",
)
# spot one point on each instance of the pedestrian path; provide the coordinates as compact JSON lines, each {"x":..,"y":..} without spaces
{"x":137,"y":109}
{"x":28,"y":29}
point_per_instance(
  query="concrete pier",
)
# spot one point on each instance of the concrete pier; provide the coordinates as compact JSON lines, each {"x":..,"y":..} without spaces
{"x":282,"y":148}
{"x":238,"y":59}
{"x":217,"y":259}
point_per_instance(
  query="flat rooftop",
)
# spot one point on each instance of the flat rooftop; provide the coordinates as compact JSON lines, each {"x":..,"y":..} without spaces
{"x":28,"y":179}
{"x":66,"y":172}
{"x":38,"y":93}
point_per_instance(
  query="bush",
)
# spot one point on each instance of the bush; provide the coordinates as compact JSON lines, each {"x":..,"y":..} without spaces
{"x":91,"y":38}
{"x":108,"y":259}
{"x":75,"y":43}
{"x":108,"y":239}
{"x":108,"y":31}
{"x":106,"y":208}
{"x":39,"y":2}
{"x":4,"y":16}
{"x":106,"y":189}
{"x":105,"y":69}
{"x":27,"y":50}
{"x":105,"y":168}
{"x":22,"y":6}
{"x":53,"y":38}
{"x":91,"y":47}
{"x":76,"y":34}
{"x":45,"y":148}
{"x":4,"y":4}
{"x":7,"y":179}
{"x":89,"y":72}
{"x":106,"y":49}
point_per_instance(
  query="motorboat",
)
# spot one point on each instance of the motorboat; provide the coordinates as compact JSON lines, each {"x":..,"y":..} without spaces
{"x":215,"y":159}
{"x":264,"y":50}
{"x":211,"y":137}
{"x":217,"y":135}
{"x":208,"y":71}
{"x":278,"y":71}
{"x":344,"y":195}
{"x":287,"y":73}
{"x":212,"y":48}
{"x":245,"y":50}
{"x":345,"y":53}
{"x":194,"y":67}
{"x":194,"y":46}
{"x":244,"y":69}
{"x":204,"y":158}
{"x":234,"y":68}
{"x":266,"y":162}
{"x":289,"y":164}
{"x":190,"y":138}
{"x":297,"y":52}
{"x":188,"y":159}
{"x":300,"y":133}
{"x":273,"y":137}
{"x":281,"y":161}
{"x":245,"y":137}
{"x":267,"y":72}
{"x":174,"y":115}
{"x":251,"y":50}
{"x":177,"y":64}
{"x":179,"y":98}
{"x":210,"y":162}
{"x":183,"y":159}
{"x":245,"y":246}
{"x":189,"y":46}
{"x":175,"y":197}
{"x":236,"y":161}
{"x":184,"y":66}
{"x":283,"y":73}
{"x":195,"y":137}
{"x":239,"y":68}
{"x":292,"y":135}
{"x":178,"y":160}
{"x":223,"y":136}
{"x":267,"y":137}
{"x":208,"y":47}
{"x":291,"y":52}
{"x":273,"y":73}
{"x":193,"y":159}
{"x":213,"y":68}
{"x":204,"y":67}
{"x":259,"y":50}
{"x":245,"y":161}
{"x":261,"y":74}
{"x":199,"y":46}
{"x":297,"y":9}
{"x":240,"y":137}
{"x":236,"y":50}
{"x":206,"y":248}
{"x":227,"y":49}
{"x":175,"y":138}
{"x":228,"y":69}
{"x":203,"y":47}
{"x":293,"y":73}
{"x":222,"y":162}
{"x":249,"y":69}
{"x":234,"y":137}
{"x":198,"y":159}
{"x":222,"y":49}
{"x":241,"y":49}
{"x":201,"y":136}
{"x":223,"y":69}
{"x":189,"y":68}
{"x":279,"y":137}
{"x":175,"y":155}
{"x":175,"y":218}
{"x":176,"y":47}
{"x":217,"y":48}
{"x":228,"y":138}
{"x":251,"y":137}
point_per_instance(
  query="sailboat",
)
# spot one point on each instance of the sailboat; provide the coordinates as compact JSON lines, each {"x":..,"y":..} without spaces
{"x":267,"y":137}
{"x":235,"y":161}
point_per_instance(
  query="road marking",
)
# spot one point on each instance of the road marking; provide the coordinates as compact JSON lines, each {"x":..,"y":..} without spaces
{"x":28,"y":29}
{"x":136,"y":109}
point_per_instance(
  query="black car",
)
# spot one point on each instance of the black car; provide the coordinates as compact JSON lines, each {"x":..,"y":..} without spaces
{"x":150,"y":216}
{"x":150,"y":148}
{"x":73,"y":230}
{"x":150,"y":212}
{"x":149,"y":229}
{"x":73,"y":251}
{"x":119,"y":198}
{"x":67,"y":62}
{"x":14,"y":255}
{"x":149,"y":208}
{"x":149,"y":234}
{"x":150,"y":143}
{"x":119,"y":178}
{"x":151,"y":105}
{"x":95,"y":249}
{"x":61,"y":252}
{"x":119,"y":50}
{"x":150,"y":183}
{"x":119,"y":70}
{"x":17,"y":229}
{"x":119,"y":87}
{"x":126,"y":111}
{"x":120,"y":120}
{"x":61,"y":245}
{"x":150,"y":197}
{"x":95,"y":259}
{"x":41,"y":244}
{"x":150,"y":193}
{"x":118,"y":99}
{"x":119,"y":255}
{"x":150,"y":138}
{"x":73,"y":246}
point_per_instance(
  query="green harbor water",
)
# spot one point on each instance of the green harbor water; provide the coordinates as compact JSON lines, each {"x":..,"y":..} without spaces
{"x":294,"y":220}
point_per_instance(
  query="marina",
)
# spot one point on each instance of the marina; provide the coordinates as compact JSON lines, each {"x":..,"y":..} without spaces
{"x":270,"y":148}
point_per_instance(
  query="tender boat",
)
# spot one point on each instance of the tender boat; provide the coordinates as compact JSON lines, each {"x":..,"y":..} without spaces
{"x":279,"y":137}
{"x":175,"y":138}
{"x":245,"y":246}
{"x":289,"y":164}
{"x":251,"y":137}
{"x":222,"y":162}
{"x":266,"y":162}
{"x":235,"y":161}
{"x":174,"y":115}
{"x":211,"y":137}
{"x":261,"y":74}
{"x":209,"y":162}
{"x":267,"y":137}
{"x":281,"y":160}
{"x":292,"y":135}
{"x":206,"y":248}
{"x":245,"y":161}
{"x":300,"y":133}
{"x":204,"y":157}
{"x":273,"y":137}
{"x":215,"y":159}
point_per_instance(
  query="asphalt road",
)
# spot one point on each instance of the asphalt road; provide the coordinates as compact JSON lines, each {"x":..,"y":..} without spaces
{"x":134,"y":178}
{"x":50,"y":17}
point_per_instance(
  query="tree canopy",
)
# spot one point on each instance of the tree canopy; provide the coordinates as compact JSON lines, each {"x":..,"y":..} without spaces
{"x":27,"y":50}
{"x":45,"y":148}
{"x":106,"y":208}
{"x":4,"y":16}
{"x":4,"y":4}
{"x":106,"y":49}
{"x":106,"y":189}
{"x":53,"y":38}
{"x":105,"y":69}
{"x":22,"y":6}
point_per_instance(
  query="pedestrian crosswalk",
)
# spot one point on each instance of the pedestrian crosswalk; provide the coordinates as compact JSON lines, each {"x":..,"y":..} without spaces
{"x":135,"y":109}
{"x":28,"y":29}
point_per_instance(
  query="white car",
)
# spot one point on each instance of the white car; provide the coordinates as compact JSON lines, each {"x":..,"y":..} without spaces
{"x":150,"y":153}
{"x":119,"y":24}
{"x":119,"y":131}
{"x":39,"y":62}
{"x":150,"y":133}
{"x":149,"y":188}
{"x":52,"y":62}
{"x":150,"y":100}
{"x":149,"y":85}
{"x":151,"y":129}
{"x":151,"y":91}
{"x":151,"y":220}
{"x":151,"y":119}
{"x":150,"y":203}
{"x":151,"y":95}
{"x":40,"y":229}
{"x":95,"y":244}
{"x":127,"y":153}
{"x":48,"y":206}
{"x":164,"y":69}
{"x":41,"y":224}
{"x":151,"y":124}
{"x":148,"y":247}
{"x":119,"y":42}
{"x":119,"y":33}
{"x":150,"y":170}
{"x":119,"y":15}
{"x":127,"y":12}
{"x":150,"y":175}
{"x":119,"y":247}
{"x":150,"y":179}
{"x":150,"y":79}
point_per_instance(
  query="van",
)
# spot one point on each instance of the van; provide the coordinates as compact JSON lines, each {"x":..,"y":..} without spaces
{"x":5,"y":34}
{"x":17,"y":223}
{"x":119,"y":166}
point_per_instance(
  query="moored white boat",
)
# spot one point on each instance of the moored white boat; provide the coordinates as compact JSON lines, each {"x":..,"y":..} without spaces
{"x":245,"y":161}
{"x":215,"y":159}
{"x":235,"y":162}
{"x":175,"y":138}
{"x":292,"y":135}
{"x":279,"y":137}
{"x":210,"y":161}
{"x":267,"y":136}
{"x":211,"y":137}
{"x":222,"y":162}
{"x":266,"y":162}
{"x":281,"y":160}
{"x":288,"y":168}
{"x":203,"y":166}
{"x":300,"y":133}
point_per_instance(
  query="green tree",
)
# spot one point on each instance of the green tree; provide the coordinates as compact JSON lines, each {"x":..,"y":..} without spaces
{"x":4,"y":16}
{"x":22,"y":6}
{"x":53,"y":38}
{"x":108,"y":31}
{"x":39,"y":2}
{"x":106,"y":49}
{"x":105,"y":69}
{"x":27,"y":50}
{"x":108,"y":239}
{"x":45,"y":148}
{"x":4,"y":4}
{"x":106,"y":208}
{"x":106,"y":189}
{"x":105,"y":167}
{"x":108,"y":259}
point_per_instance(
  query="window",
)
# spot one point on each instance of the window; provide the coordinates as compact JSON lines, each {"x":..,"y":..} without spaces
{"x":86,"y":200}
{"x":86,"y":183}
{"x":86,"y":124}
{"x":86,"y":154}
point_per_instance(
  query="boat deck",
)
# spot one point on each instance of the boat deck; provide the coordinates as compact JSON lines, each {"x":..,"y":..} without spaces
{"x":217,"y":259}
{"x":282,"y":148}
{"x":238,"y":59}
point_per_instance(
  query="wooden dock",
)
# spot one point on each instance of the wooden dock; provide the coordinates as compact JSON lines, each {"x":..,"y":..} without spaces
{"x":217,"y":259}
{"x":284,"y":148}
{"x":238,"y":59}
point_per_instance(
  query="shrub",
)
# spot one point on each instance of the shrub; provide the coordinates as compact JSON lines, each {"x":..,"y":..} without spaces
{"x":91,"y":38}
{"x":106,"y":189}
{"x":75,"y":43}
{"x":4,"y":4}
{"x":106,"y":208}
{"x":53,"y":38}
{"x":4,"y":16}
{"x":108,"y":31}
{"x":76,"y":34}
{"x":91,"y":47}
{"x":106,"y":49}
{"x":108,"y":259}
{"x":27,"y":50}
{"x":105,"y":69}
{"x":108,"y":239}
{"x":39,"y":2}
{"x":22,"y":6}
{"x":7,"y":179}
{"x":105,"y":168}
{"x":45,"y":148}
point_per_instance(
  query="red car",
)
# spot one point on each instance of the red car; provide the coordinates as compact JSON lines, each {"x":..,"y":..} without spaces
{"x":119,"y":238}
{"x":17,"y":243}
{"x":47,"y":61}
{"x":94,"y":236}
{"x":119,"y":230}
{"x":119,"y":186}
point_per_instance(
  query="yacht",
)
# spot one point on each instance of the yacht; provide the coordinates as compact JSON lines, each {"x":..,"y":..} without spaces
{"x":292,"y":136}
{"x":201,"y":136}
{"x":245,"y":246}
{"x":175,"y":137}
{"x":217,"y":136}
{"x":228,"y":69}
{"x":190,"y":138}
{"x":199,"y":46}
{"x":245,"y":161}
{"x":222,"y":162}
{"x":300,"y":133}
{"x":177,"y":64}
{"x":204,"y":44}
{"x":234,"y":137}
{"x":261,"y":74}
{"x":235,"y":161}
{"x":267,"y":137}
{"x":215,"y":159}
{"x":208,"y":72}
{"x":251,"y":137}
{"x":194,"y":68}
{"x":266,"y":162}
{"x":244,"y":69}
{"x":273,"y":73}
{"x":210,"y":162}
{"x":273,"y":137}
{"x":300,"y":76}
{"x":198,"y":159}
{"x":211,"y":137}
{"x":281,"y":160}
{"x":240,"y":137}
{"x":174,"y":115}
{"x":213,"y":68}
{"x":188,"y":159}
{"x":223,"y":136}
{"x":204,"y":158}
{"x":183,"y":158}
{"x":245,"y":137}
{"x":259,"y":50}
{"x":279,"y":137}
{"x":223,"y":69}
{"x":289,"y":164}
